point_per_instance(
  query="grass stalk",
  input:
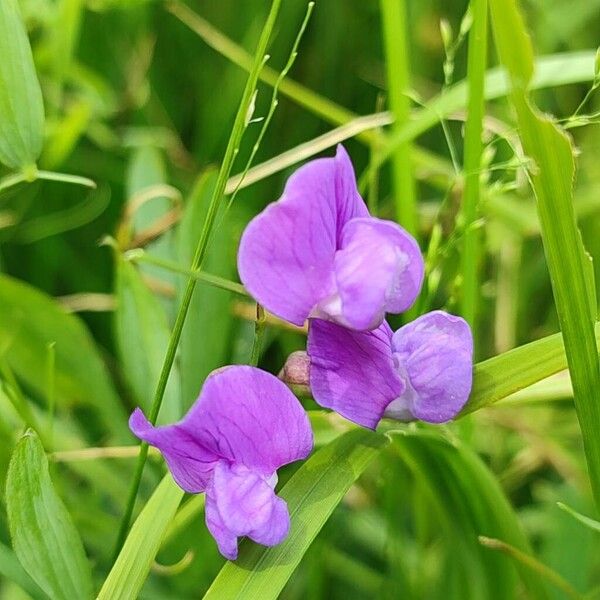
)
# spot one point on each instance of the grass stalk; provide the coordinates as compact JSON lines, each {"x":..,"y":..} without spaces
{"x":226,"y":165}
{"x":477,"y":56}
{"x":395,"y":34}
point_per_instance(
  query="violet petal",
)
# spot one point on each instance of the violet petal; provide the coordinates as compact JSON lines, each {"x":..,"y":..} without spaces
{"x":352,"y":372}
{"x":286,"y":254}
{"x":243,"y":415}
{"x":241,"y":502}
{"x":378,"y":269}
{"x":435,"y":352}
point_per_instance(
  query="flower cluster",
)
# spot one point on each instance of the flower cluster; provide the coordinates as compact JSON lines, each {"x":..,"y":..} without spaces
{"x":315,"y":254}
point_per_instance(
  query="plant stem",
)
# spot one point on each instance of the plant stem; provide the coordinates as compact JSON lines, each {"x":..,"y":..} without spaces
{"x":300,"y":94}
{"x":472,"y":162}
{"x":395,"y":34}
{"x":532,"y":563}
{"x":139,"y":256}
{"x":259,"y":329}
{"x":230,"y":154}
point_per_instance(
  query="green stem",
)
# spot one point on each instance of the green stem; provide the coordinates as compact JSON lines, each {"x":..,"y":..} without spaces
{"x":532,"y":563}
{"x":472,"y":162}
{"x":395,"y":34}
{"x":259,"y":329}
{"x":300,"y":94}
{"x":230,"y":154}
{"x":65,"y":178}
{"x":139,"y":256}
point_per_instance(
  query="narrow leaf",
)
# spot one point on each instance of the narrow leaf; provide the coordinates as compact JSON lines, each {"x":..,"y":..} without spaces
{"x":312,"y":494}
{"x":511,"y":371}
{"x":43,"y":534}
{"x":552,"y":180}
{"x":132,"y":566}
{"x":21,"y":105}
{"x":587,"y":521}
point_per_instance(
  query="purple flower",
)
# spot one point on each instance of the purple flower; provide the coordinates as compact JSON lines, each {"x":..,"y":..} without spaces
{"x":423,"y":371}
{"x":244,"y":426}
{"x":317,"y":252}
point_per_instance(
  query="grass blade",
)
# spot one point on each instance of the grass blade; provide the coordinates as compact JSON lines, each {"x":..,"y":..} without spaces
{"x":472,"y":161}
{"x":395,"y":34}
{"x":509,"y":372}
{"x":132,"y":566}
{"x":552,"y":182}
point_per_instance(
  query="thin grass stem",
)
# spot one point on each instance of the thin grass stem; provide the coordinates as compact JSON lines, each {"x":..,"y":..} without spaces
{"x":226,"y":165}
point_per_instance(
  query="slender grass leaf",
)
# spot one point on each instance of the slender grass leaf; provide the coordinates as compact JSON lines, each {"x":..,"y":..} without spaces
{"x":470,"y":503}
{"x":587,"y":521}
{"x":470,"y":256}
{"x":30,"y":321}
{"x":21,"y":104}
{"x":552,"y":180}
{"x":511,"y":371}
{"x":142,"y":336}
{"x":312,"y":494}
{"x":132,"y":566}
{"x":396,"y":42}
{"x":205,"y":336}
{"x":43,"y":534}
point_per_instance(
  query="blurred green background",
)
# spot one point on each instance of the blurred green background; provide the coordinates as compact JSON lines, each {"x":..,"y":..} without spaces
{"x":141,"y":104}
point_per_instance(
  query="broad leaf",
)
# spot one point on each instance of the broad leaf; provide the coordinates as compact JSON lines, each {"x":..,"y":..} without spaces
{"x":21,"y":105}
{"x":43,"y":535}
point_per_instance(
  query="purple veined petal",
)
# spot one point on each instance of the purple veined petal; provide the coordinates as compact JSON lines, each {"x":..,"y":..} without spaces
{"x":286,"y":254}
{"x":241,"y":502}
{"x":435,"y":355}
{"x":243,"y":415}
{"x":189,"y":461}
{"x":378,"y":269}
{"x":352,"y":372}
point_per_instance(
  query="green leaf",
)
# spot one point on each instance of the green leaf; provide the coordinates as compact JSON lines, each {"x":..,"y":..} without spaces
{"x":142,"y":336}
{"x":11,"y":569}
{"x":469,"y":502}
{"x":146,"y":170}
{"x":43,"y":535}
{"x":21,"y":105}
{"x":587,"y":521}
{"x":568,"y":264}
{"x":205,"y":338}
{"x":31,"y":321}
{"x":311,"y":494}
{"x":132,"y":566}
{"x":511,"y":371}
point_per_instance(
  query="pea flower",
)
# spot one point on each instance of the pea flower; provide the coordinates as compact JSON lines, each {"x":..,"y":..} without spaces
{"x":244,"y":426}
{"x":317,"y":252}
{"x":422,"y":371}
